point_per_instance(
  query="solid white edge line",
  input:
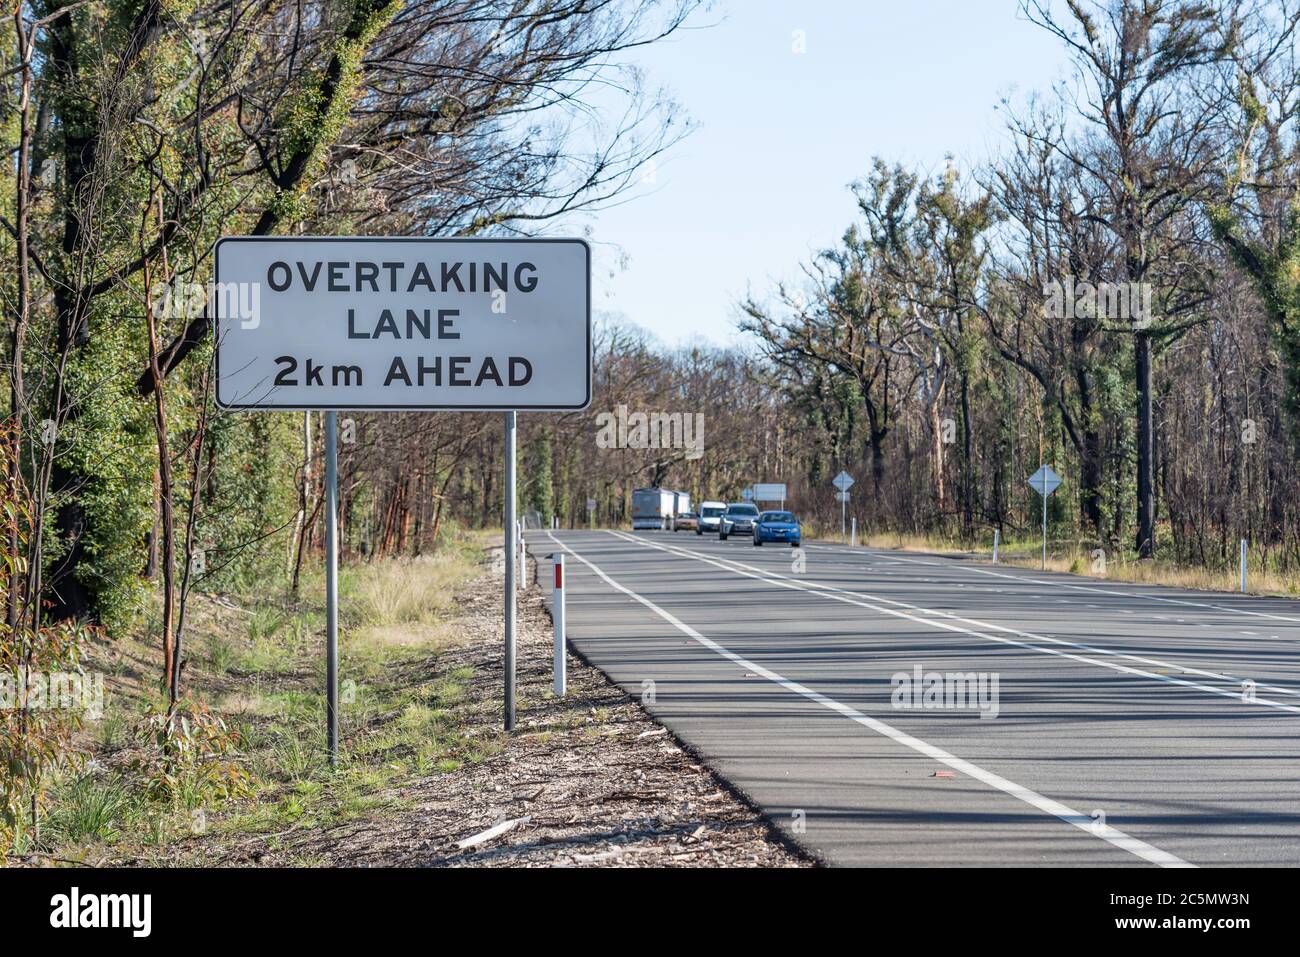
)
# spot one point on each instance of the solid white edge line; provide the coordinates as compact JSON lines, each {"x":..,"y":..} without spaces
{"x":1096,"y":589}
{"x":1083,"y":822}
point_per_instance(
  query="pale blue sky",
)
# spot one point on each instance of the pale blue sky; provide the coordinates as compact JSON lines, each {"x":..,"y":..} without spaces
{"x":763,"y":182}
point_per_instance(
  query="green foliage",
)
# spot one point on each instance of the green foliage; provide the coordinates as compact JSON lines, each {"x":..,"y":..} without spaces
{"x":35,"y":735}
{"x":248,"y":500}
{"x":35,"y":730}
{"x":540,"y":490}
{"x":316,"y":114}
{"x":88,"y":808}
{"x":189,"y":757}
{"x":109,"y":447}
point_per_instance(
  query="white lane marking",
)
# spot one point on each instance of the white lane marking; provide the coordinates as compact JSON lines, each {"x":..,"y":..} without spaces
{"x":1124,"y":611}
{"x":1096,"y":590}
{"x":1086,"y":823}
{"x":851,"y":598}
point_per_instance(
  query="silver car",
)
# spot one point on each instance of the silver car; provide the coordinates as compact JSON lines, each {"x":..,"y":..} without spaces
{"x":737,"y":519}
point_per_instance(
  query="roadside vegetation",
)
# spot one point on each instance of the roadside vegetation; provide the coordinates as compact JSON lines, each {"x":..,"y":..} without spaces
{"x":246,"y":751}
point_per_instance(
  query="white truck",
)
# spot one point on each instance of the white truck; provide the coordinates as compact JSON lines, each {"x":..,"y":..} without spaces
{"x":657,"y":507}
{"x":683,"y":505}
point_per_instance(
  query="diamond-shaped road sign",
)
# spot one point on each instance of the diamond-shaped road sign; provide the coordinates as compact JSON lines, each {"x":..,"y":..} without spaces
{"x":843,"y":481}
{"x":1044,"y":481}
{"x":748,"y":494}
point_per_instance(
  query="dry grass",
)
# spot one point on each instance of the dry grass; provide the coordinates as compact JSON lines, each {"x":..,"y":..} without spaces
{"x":426,"y":764}
{"x":1079,"y":561}
{"x":898,"y":541}
{"x":915,"y":543}
{"x":410,"y":591}
{"x":1258,"y":581}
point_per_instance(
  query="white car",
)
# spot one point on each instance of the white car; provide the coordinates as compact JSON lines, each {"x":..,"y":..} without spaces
{"x":710,"y":516}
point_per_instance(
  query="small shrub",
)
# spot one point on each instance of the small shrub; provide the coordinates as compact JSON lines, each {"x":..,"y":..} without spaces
{"x":189,"y":757}
{"x":87,"y":809}
{"x":111,"y":731}
{"x":221,"y":654}
{"x":265,"y":623}
{"x":297,"y":757}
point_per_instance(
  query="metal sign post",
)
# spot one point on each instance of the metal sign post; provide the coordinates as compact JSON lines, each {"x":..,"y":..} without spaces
{"x":843,"y":482}
{"x":332,"y":585}
{"x":510,"y":526}
{"x":843,"y":499}
{"x":1045,"y":481}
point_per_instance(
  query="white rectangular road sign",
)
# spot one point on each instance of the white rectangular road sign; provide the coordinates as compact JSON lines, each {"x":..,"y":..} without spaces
{"x":402,"y":323}
{"x":841,"y":496}
{"x":769,"y":491}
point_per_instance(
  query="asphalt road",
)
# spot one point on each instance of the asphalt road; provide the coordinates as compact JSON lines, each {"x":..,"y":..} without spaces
{"x":1130,"y":725}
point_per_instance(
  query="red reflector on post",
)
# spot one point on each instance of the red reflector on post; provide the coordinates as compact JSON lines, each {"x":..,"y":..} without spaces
{"x":559,"y":575}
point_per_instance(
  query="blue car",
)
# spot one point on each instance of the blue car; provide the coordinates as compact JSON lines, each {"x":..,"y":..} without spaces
{"x":776,"y":527}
